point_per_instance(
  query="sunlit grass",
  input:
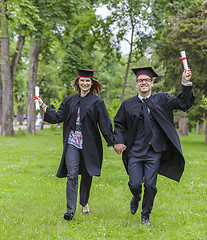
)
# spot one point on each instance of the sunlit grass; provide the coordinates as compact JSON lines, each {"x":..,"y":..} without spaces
{"x":32,"y":199}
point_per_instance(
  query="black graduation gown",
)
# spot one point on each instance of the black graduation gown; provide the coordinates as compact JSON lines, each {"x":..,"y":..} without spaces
{"x":95,"y":117}
{"x":161,"y":106}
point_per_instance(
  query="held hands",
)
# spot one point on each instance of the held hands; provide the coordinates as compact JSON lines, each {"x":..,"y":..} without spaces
{"x":119,"y":148}
{"x":186,"y":76}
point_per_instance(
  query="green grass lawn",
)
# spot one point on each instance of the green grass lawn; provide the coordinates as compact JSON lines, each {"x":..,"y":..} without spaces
{"x":32,"y":199}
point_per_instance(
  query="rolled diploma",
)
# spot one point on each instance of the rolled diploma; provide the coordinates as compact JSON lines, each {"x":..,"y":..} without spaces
{"x":185,"y":63}
{"x":37,"y":95}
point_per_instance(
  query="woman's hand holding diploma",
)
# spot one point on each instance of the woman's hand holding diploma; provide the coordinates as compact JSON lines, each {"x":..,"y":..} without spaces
{"x":38,"y":101}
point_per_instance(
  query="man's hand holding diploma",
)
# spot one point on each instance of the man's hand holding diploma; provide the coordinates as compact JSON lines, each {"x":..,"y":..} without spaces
{"x":186,"y":76}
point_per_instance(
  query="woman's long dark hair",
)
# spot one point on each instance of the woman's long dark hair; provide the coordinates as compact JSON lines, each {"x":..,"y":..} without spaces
{"x":96,"y":87}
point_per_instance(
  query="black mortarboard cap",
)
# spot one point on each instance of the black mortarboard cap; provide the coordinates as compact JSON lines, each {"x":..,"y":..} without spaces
{"x":146,"y":71}
{"x":88,"y":73}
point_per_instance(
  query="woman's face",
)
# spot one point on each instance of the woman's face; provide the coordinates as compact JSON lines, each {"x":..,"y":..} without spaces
{"x":85,"y":84}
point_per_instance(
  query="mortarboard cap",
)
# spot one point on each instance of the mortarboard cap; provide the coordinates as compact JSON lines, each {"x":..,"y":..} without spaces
{"x":86,"y":73}
{"x":145,"y":71}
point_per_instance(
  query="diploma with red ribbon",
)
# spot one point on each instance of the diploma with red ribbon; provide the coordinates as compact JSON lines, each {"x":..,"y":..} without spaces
{"x":184,"y":60}
{"x":37,"y":95}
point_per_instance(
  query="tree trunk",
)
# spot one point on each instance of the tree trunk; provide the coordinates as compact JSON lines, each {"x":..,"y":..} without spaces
{"x":205,"y":131}
{"x":19,"y":110}
{"x":34,"y":61}
{"x":0,"y":104}
{"x":20,"y":115}
{"x":205,"y":127}
{"x":198,"y":128}
{"x":128,"y":65}
{"x":7,"y":84}
{"x":206,"y":138}
{"x":182,"y":123}
{"x":16,"y":56}
{"x":14,"y":64}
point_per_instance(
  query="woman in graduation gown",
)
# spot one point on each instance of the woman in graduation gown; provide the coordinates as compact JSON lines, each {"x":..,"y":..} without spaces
{"x":82,"y":114}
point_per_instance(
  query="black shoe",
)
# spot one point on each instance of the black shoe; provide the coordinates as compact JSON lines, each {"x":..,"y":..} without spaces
{"x":134,"y":205}
{"x":146,"y":221}
{"x":68,"y":216}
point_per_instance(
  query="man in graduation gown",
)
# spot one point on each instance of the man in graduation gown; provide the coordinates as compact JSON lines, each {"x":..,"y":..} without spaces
{"x":146,"y":135}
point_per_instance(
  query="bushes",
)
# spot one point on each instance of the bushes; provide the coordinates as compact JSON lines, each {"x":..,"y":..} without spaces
{"x":112,"y":109}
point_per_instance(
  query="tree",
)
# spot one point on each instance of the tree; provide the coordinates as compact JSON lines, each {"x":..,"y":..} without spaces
{"x":79,"y":45}
{"x":129,"y":17}
{"x":186,"y":32}
{"x":10,"y":24}
{"x":0,"y":101}
{"x":34,"y":61}
{"x":7,"y":85}
{"x":204,"y":106}
{"x":48,"y":78}
{"x":162,"y":11}
{"x":57,"y":18}
{"x":182,"y":123}
{"x":14,"y":64}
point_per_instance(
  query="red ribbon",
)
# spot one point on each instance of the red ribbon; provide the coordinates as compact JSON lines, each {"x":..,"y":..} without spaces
{"x":84,"y":77}
{"x":35,"y":98}
{"x":144,"y":74}
{"x":87,"y":77}
{"x":183,"y":59}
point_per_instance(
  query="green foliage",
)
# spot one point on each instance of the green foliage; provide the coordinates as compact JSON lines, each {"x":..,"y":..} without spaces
{"x":74,"y":37}
{"x":71,"y":62}
{"x":55,"y":103}
{"x":196,"y":112}
{"x":204,"y":106}
{"x":204,"y":102}
{"x":185,"y":32}
{"x":113,"y":109}
{"x":129,"y":17}
{"x":20,"y":87}
{"x":111,"y":72}
{"x":48,"y":74}
{"x":45,"y":19}
{"x":78,"y":44}
{"x":161,"y":10}
{"x":54,"y":14}
{"x":23,"y":16}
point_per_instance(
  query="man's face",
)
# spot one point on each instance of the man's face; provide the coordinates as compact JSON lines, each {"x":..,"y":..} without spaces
{"x":144,"y":84}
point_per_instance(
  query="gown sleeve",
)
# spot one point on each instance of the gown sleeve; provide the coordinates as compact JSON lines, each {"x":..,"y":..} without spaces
{"x":51,"y":116}
{"x":183,"y":100}
{"x":120,"y":125}
{"x":105,"y":124}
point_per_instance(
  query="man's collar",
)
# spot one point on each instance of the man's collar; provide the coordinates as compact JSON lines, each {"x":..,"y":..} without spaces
{"x":141,"y":98}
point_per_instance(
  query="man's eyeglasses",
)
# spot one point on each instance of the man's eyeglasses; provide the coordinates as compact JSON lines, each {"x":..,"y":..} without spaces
{"x":147,"y":80}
